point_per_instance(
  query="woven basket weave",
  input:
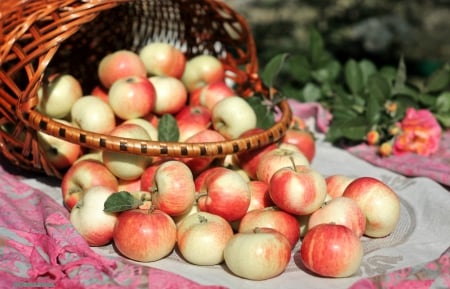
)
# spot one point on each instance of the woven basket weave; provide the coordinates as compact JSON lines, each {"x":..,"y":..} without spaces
{"x":41,"y":37}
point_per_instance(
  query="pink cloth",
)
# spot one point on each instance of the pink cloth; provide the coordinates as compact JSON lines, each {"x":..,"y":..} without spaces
{"x":40,"y":248}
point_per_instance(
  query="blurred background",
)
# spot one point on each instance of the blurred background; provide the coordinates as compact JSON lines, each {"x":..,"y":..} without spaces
{"x":378,"y":30}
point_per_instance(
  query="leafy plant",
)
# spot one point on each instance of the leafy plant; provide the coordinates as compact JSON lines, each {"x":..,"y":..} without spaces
{"x":360,"y":96}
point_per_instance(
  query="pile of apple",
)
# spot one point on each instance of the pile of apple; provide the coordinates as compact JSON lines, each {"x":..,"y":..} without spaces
{"x":250,"y":210}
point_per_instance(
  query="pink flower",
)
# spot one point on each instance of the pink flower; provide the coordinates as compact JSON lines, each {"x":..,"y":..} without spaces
{"x":420,"y":133}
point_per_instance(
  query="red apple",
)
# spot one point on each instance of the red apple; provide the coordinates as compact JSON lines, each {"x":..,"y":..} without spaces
{"x":145,"y":235}
{"x":336,"y":184}
{"x":163,"y":59}
{"x":342,"y":211}
{"x":191,"y":120}
{"x":202,"y":238}
{"x":303,"y":140}
{"x":120,"y":64}
{"x":173,"y":189}
{"x":83,"y":175}
{"x":260,"y":195}
{"x":89,"y":218}
{"x":272,"y":217}
{"x":275,"y":159}
{"x":298,"y":190}
{"x":171,"y":94}
{"x":211,"y":94}
{"x":202,"y":70}
{"x":258,"y":255}
{"x":379,"y":203}
{"x":132,"y":97}
{"x":331,"y":250}
{"x":249,"y":160}
{"x":225,"y":193}
{"x":100,"y":92}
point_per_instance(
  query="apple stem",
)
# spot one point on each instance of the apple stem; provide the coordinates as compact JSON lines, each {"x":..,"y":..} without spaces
{"x":200,"y":195}
{"x":202,"y":219}
{"x":293,"y":163}
{"x":153,"y":189}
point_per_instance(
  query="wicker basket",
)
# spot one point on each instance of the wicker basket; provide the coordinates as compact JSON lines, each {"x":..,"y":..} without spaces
{"x":39,"y":37}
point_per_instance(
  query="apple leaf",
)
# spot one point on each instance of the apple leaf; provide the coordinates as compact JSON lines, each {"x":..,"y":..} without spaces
{"x":121,"y":201}
{"x":168,"y":129}
{"x":264,"y":115}
{"x":272,"y":69}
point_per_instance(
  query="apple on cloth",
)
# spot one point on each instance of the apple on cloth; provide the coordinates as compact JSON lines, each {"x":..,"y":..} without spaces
{"x":40,"y":246}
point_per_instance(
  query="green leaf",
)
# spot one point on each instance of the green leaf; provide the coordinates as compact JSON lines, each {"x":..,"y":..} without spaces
{"x":443,"y":102}
{"x":368,"y":69}
{"x":354,"y":130}
{"x":316,"y":47}
{"x":353,"y":76}
{"x":168,"y":129}
{"x":264,"y":115}
{"x":272,"y":69}
{"x":121,"y":201}
{"x":444,"y":119}
{"x":378,"y":87}
{"x":438,"y":81}
{"x":327,"y":73}
{"x":373,"y":110}
{"x":427,"y":99}
{"x":299,"y":68}
{"x":400,"y":77}
{"x":311,"y":92}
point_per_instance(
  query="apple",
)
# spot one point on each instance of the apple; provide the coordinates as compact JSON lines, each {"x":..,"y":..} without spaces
{"x":180,"y":218}
{"x":191,"y":120}
{"x":124,"y":165}
{"x":120,"y":64}
{"x":163,"y":59}
{"x":173,"y":189}
{"x":132,"y":97}
{"x":275,"y":159}
{"x":57,"y":97}
{"x":225,"y":193}
{"x":90,"y":113}
{"x":379,"y":203}
{"x":331,"y":250}
{"x":303,"y":140}
{"x":257,"y":255}
{"x":202,"y":70}
{"x":90,"y":220}
{"x":260,"y":197}
{"x":211,"y":94}
{"x":202,"y":237}
{"x":129,"y":185}
{"x":60,"y":153}
{"x":199,"y":164}
{"x":145,"y":235}
{"x":249,"y":160}
{"x":82,"y":175}
{"x":342,"y":211}
{"x":171,"y":94}
{"x":232,"y":116}
{"x":146,"y":179}
{"x":146,"y":124}
{"x":298,"y":190}
{"x":336,"y":184}
{"x":100,"y":92}
{"x":272,"y":217}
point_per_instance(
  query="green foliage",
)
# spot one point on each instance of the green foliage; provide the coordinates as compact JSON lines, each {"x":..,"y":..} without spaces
{"x":361,"y":96}
{"x":168,"y":130}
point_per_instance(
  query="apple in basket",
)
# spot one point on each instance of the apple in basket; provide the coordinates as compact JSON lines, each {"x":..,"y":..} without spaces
{"x":132,"y":97}
{"x":120,"y":64}
{"x":275,"y":159}
{"x":272,"y":217}
{"x":340,"y":210}
{"x":83,"y":175}
{"x":59,"y":152}
{"x":173,"y":189}
{"x":124,"y":165}
{"x":90,"y":220}
{"x":258,"y":255}
{"x":331,"y":250}
{"x":379,"y":203}
{"x":90,"y":113}
{"x":149,"y":127}
{"x":163,"y":59}
{"x":211,"y":94}
{"x":202,"y":70}
{"x":232,"y":116}
{"x":223,"y":192}
{"x":171,"y":94}
{"x":57,"y":97}
{"x":202,"y":237}
{"x":192,"y":119}
{"x":299,"y":189}
{"x":145,"y":235}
